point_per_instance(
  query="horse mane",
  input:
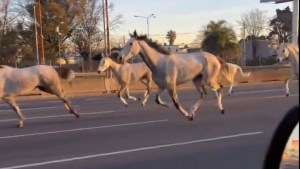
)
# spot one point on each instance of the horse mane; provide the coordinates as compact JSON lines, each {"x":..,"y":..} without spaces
{"x":1,"y":66}
{"x":152,"y":44}
{"x":65,"y":73}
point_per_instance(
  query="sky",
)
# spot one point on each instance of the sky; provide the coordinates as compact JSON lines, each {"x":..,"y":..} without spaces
{"x":185,"y":17}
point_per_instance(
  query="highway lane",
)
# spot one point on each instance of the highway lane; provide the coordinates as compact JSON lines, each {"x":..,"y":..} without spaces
{"x":110,"y":136}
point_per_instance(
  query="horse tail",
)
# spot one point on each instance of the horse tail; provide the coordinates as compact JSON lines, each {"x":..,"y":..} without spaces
{"x":66,"y":73}
{"x":242,"y":74}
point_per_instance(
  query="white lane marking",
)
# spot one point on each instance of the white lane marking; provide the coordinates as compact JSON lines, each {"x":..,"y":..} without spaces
{"x":37,"y":108}
{"x":257,"y":91}
{"x":56,"y":116}
{"x":83,"y":129}
{"x":281,"y":96}
{"x":133,"y":150}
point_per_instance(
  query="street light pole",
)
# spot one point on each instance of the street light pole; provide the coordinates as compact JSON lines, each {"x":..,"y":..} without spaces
{"x":147,"y":18}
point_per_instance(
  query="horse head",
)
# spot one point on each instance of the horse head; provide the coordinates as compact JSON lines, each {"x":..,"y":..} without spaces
{"x":131,"y":48}
{"x":104,"y":64}
{"x":282,"y":53}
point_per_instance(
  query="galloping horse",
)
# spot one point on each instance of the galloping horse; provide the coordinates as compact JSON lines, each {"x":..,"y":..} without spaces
{"x":234,"y":71}
{"x":291,"y":52}
{"x":127,"y":74}
{"x":229,"y":78}
{"x":170,"y":70}
{"x":15,"y":81}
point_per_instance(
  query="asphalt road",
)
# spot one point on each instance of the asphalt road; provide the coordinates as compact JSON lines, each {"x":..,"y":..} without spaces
{"x":110,"y":136}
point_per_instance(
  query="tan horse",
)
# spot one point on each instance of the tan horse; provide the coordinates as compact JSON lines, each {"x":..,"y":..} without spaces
{"x":14,"y":82}
{"x":234,"y":71}
{"x":229,"y":79}
{"x":170,"y":70}
{"x":127,"y":74}
{"x":291,"y":52}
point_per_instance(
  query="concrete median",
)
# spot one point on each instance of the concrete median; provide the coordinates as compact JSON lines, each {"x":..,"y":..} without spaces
{"x":94,"y":83}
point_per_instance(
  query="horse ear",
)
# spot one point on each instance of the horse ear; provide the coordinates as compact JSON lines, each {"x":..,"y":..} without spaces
{"x":135,"y":34}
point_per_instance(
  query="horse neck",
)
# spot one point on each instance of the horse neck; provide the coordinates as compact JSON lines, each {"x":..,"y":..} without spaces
{"x":114,"y":66}
{"x":293,"y":55}
{"x":149,"y":55}
{"x":294,"y":59}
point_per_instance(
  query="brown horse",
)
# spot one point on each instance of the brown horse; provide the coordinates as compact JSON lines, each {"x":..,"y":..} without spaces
{"x":15,"y":81}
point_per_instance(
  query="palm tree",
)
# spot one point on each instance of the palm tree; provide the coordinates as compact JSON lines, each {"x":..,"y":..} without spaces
{"x":171,"y":36}
{"x":220,"y":40}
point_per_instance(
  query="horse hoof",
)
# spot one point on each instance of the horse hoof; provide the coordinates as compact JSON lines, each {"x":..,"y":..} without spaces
{"x":126,"y":105}
{"x":191,"y":118}
{"x":139,"y":98}
{"x":77,"y":115}
{"x":20,"y":126}
{"x":223,"y":111}
{"x":287,"y":95}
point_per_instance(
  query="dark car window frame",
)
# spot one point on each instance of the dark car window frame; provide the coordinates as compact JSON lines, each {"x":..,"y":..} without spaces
{"x":280,"y":139}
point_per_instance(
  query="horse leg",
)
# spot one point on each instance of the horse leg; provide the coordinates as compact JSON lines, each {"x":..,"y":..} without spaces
{"x":146,"y":94}
{"x":287,"y":89}
{"x":60,"y":94}
{"x":158,"y":99}
{"x":175,"y":99}
{"x":200,"y":87}
{"x":218,"y":90}
{"x":230,"y":89}
{"x":120,"y":95}
{"x":16,"y":108}
{"x":128,"y":95}
{"x":68,"y":105}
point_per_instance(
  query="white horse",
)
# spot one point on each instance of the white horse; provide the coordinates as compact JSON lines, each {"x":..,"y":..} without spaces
{"x":14,"y":82}
{"x":128,"y":74}
{"x":291,"y":52}
{"x":170,"y":70}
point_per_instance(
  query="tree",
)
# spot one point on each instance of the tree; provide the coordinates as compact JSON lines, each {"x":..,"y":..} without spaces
{"x":282,"y":24}
{"x":255,"y":23}
{"x":220,"y":40}
{"x":4,"y":15}
{"x":62,"y":14}
{"x":90,"y":31}
{"x":8,"y":47}
{"x":171,"y":36}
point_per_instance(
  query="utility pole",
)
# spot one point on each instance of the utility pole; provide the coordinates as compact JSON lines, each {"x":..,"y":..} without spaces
{"x":295,"y":22}
{"x":41,"y":32}
{"x":243,"y":59}
{"x":109,"y":81}
{"x":107,"y":28}
{"x":36,"y":38}
{"x":104,"y":27}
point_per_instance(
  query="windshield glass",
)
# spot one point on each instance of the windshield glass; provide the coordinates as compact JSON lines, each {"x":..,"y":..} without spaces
{"x":290,"y":158}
